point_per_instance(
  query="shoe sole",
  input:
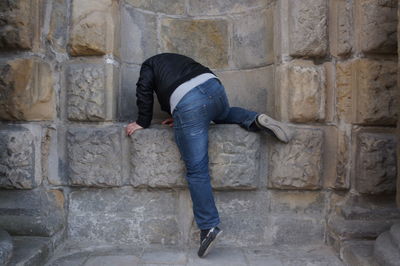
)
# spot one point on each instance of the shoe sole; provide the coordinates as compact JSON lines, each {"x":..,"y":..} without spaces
{"x":281,"y":131}
{"x":211,"y":244}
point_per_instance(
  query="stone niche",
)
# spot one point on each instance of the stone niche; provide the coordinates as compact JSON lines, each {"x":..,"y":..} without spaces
{"x":27,"y":92}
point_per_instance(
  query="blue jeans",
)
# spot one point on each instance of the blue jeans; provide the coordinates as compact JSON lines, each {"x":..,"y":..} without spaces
{"x":192,"y":116}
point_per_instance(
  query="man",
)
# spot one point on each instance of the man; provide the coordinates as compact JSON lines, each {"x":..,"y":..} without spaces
{"x":194,"y":96}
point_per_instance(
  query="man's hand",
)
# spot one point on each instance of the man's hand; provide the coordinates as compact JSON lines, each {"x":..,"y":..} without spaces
{"x":168,"y":122}
{"x":132,"y":127}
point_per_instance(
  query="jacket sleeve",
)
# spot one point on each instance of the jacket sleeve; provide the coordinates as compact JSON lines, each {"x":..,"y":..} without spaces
{"x":144,"y":95}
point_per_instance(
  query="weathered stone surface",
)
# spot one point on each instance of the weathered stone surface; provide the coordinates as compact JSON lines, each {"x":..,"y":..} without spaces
{"x":297,"y":165}
{"x":30,"y":250}
{"x":250,"y":89}
{"x":215,"y":7}
{"x":91,"y":91}
{"x":376,"y":89}
{"x":376,"y":169}
{"x":234,"y":153}
{"x":344,"y":90}
{"x":26,"y":90}
{"x":341,"y":29}
{"x":377,"y":26}
{"x":308,"y":28}
{"x":253,"y":39}
{"x":31,"y":212}
{"x":243,"y":218}
{"x":301,"y":91}
{"x":204,"y":40}
{"x":342,"y":180}
{"x":170,"y":7}
{"x":139,"y":35}
{"x":385,"y":251}
{"x":95,"y":27}
{"x":94,"y":156}
{"x":17,"y":159}
{"x":19,"y":28}
{"x":6,"y":247}
{"x":310,"y":203}
{"x":58,"y":24}
{"x":124,"y":216}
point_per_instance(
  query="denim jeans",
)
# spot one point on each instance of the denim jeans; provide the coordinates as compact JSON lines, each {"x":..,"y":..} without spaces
{"x":192,"y":116}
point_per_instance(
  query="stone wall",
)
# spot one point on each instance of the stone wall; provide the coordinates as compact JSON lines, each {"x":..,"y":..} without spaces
{"x":69,"y":69}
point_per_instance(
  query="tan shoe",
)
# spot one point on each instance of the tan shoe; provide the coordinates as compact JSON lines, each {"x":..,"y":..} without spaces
{"x":280,"y":130}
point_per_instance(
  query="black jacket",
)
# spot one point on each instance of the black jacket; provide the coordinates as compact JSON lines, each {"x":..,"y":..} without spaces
{"x":162,"y":74}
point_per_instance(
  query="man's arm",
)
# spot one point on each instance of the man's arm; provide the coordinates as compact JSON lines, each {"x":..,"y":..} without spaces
{"x":144,"y":95}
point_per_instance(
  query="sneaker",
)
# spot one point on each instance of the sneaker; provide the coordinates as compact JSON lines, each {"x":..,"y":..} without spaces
{"x":280,"y":130}
{"x":207,"y":240}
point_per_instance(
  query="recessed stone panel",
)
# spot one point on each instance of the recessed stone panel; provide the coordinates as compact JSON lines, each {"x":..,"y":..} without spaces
{"x":124,"y":216}
{"x":253,"y":39}
{"x":17,"y":159}
{"x":27,"y":90}
{"x":308,"y":28}
{"x":205,"y":40}
{"x":171,"y":7}
{"x":377,"y":26}
{"x":298,"y":164}
{"x":376,"y":168}
{"x":91,"y":91}
{"x":95,"y":27}
{"x":94,"y":156}
{"x":216,"y":7}
{"x":32,"y":212}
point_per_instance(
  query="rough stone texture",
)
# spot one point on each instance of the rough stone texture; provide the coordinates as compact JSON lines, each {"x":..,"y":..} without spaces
{"x":30,"y":250}
{"x":215,"y":7}
{"x":344,"y":89}
{"x":57,"y":34}
{"x":170,"y":7}
{"x":26,"y":90}
{"x":358,"y":252}
{"x":308,"y":28}
{"x":91,"y":91}
{"x":377,"y":26}
{"x":398,"y":120}
{"x":243,"y":219}
{"x":17,"y":159}
{"x":342,"y":179}
{"x":6,"y":247}
{"x":341,"y":27}
{"x":204,"y":40}
{"x":309,"y":203}
{"x":95,"y":27}
{"x":234,"y":155}
{"x":138,"y":35}
{"x":253,"y":39}
{"x":300,"y":90}
{"x":20,"y":23}
{"x":385,"y":251}
{"x":139,"y":217}
{"x":32,"y":212}
{"x":298,"y":164}
{"x":376,"y":169}
{"x":95,"y":157}
{"x":250,"y":89}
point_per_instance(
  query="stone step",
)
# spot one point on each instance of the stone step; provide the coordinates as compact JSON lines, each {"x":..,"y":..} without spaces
{"x":358,"y":253}
{"x":385,"y":251}
{"x":32,"y":251}
{"x":6,"y":247}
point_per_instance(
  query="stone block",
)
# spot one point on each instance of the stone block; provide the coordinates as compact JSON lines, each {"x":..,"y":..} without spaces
{"x":138,"y":35}
{"x":300,"y":92}
{"x":205,"y":40}
{"x":94,"y":156}
{"x":308,"y":28}
{"x":376,"y":163}
{"x":341,"y":29}
{"x":170,"y":7}
{"x":250,"y":89}
{"x":298,"y":164}
{"x":310,"y":203}
{"x":20,"y":25}
{"x":253,"y":39}
{"x":95,"y":27}
{"x":32,"y":212}
{"x":376,"y":24}
{"x":57,"y":34}
{"x":17,"y":159}
{"x":344,"y":90}
{"x":91,"y":91}
{"x":243,"y":218}
{"x":124,"y":216}
{"x":217,"y":7}
{"x":27,"y":90}
{"x":342,"y":180}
